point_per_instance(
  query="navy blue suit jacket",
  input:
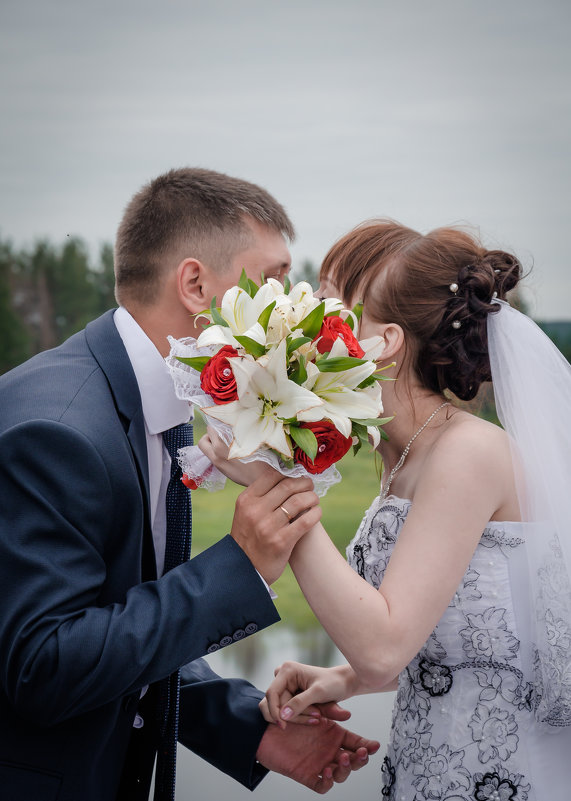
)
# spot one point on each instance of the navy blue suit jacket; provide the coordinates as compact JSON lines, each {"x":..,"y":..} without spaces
{"x":84,"y":623}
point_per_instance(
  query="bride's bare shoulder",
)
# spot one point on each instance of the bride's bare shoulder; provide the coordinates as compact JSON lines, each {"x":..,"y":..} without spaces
{"x":470,"y":460}
{"x":474,"y":456}
{"x":469,"y":439}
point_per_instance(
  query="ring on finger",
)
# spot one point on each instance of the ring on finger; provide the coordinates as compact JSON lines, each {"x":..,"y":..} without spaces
{"x":286,"y":513}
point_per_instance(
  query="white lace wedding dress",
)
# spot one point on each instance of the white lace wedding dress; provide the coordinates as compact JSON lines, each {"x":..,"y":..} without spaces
{"x":463,"y":723}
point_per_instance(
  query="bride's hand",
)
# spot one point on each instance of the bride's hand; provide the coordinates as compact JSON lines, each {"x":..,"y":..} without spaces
{"x":297,"y":689}
{"x":244,"y":473}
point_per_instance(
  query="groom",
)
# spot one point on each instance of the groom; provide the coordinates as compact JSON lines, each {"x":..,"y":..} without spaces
{"x":91,"y":622}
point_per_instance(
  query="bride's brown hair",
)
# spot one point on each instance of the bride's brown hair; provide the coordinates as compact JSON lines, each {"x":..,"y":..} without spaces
{"x":438,"y":287}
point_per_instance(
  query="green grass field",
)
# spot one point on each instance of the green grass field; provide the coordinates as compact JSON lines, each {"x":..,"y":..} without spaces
{"x":343,"y":509}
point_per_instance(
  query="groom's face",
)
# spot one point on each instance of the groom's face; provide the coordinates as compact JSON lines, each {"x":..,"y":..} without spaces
{"x":267,"y":255}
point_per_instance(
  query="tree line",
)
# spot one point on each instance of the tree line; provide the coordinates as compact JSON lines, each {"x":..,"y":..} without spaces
{"x":48,"y":292}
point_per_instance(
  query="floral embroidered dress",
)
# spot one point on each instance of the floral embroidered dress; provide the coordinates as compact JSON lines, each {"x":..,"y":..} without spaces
{"x":463,"y":725}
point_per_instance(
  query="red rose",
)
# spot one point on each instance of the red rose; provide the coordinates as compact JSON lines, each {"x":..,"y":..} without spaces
{"x":217,"y":378}
{"x":192,"y":483}
{"x":333,"y":328}
{"x":331,"y":446}
{"x":189,"y":482}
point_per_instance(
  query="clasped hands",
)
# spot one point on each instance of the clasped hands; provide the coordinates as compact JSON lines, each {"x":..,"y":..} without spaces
{"x":271,"y":515}
{"x":299,"y":694}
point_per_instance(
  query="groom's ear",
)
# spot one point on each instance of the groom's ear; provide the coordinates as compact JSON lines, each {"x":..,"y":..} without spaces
{"x":192,"y":285}
{"x":393,"y":335}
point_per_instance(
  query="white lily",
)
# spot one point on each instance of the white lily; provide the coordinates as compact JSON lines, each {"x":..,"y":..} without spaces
{"x":281,"y":321}
{"x":241,"y":312}
{"x":373,"y":347}
{"x":266,"y":398}
{"x":275,"y":286}
{"x":289,"y":310}
{"x":339,"y":348}
{"x":376,"y":395}
{"x":332,"y":304}
{"x":341,"y":400}
{"x":292,"y":308}
{"x":375,"y":436}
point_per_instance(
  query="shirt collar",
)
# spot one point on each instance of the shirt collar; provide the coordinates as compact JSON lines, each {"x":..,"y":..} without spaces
{"x":161,"y":407}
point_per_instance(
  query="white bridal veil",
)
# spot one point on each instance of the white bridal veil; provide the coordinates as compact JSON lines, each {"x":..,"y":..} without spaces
{"x":532,"y":388}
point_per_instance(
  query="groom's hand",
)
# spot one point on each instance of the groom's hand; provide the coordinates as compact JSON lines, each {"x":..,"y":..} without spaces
{"x":270,"y":517}
{"x":316,"y":756}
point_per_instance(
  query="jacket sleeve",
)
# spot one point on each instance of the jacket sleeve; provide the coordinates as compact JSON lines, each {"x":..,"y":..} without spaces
{"x":220,"y":721}
{"x":78,"y":629}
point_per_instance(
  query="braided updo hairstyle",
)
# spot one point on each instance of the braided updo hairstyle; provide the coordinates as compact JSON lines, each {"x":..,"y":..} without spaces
{"x":438,"y":287}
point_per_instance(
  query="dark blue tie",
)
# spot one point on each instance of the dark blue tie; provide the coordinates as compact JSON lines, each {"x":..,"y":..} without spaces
{"x":177,"y":550}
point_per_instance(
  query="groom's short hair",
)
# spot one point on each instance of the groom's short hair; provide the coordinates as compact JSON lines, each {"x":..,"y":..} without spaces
{"x":188,"y":213}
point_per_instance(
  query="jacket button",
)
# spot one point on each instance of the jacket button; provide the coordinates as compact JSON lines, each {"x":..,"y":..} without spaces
{"x":251,"y":628}
{"x":239,"y":634}
{"x":212,"y":648}
{"x":225,"y":641}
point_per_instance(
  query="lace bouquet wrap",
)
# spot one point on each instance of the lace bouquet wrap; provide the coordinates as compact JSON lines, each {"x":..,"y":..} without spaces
{"x":282,"y":378}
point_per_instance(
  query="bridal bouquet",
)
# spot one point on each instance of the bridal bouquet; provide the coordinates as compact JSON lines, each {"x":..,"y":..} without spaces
{"x":282,"y":378}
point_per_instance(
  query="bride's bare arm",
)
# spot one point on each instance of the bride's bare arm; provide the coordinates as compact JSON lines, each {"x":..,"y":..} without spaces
{"x":463,"y":484}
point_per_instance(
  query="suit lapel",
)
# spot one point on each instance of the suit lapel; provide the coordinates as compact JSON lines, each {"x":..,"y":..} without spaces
{"x":107,"y":348}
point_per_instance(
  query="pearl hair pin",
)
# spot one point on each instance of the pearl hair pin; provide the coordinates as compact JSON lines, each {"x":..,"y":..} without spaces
{"x":456,"y":324}
{"x":453,"y":288}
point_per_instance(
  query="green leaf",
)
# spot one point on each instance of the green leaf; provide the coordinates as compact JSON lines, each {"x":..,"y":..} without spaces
{"x":359,"y":431}
{"x":287,"y":285}
{"x":197,"y":362}
{"x":251,"y":346}
{"x":244,"y":283}
{"x":285,"y":461}
{"x":373,"y":421}
{"x":358,"y":309}
{"x":294,"y":344}
{"x":217,"y":318}
{"x":305,"y":439}
{"x":368,"y":382}
{"x":264,"y":317}
{"x":350,"y":322}
{"x":311,"y":325}
{"x":338,"y":363}
{"x":253,"y":287}
{"x":299,"y":373}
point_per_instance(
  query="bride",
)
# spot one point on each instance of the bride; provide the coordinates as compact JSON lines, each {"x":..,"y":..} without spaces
{"x":456,"y":587}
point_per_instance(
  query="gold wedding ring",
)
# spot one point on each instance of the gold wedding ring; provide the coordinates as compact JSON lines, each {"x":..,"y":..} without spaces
{"x":286,"y":513}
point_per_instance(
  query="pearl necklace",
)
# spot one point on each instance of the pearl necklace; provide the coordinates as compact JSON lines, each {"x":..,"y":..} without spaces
{"x":404,"y":454}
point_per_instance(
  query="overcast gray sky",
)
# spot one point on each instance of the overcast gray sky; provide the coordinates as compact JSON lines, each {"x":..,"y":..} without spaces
{"x":430,"y":112}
